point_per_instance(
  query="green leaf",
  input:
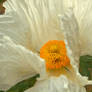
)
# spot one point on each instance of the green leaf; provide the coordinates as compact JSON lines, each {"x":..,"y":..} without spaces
{"x":23,"y":85}
{"x":86,"y":66}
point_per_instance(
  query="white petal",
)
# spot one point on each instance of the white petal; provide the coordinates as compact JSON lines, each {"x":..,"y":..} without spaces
{"x":15,"y":23}
{"x":71,"y":33}
{"x":17,"y":63}
{"x":61,"y":84}
{"x":44,"y":21}
{"x":82,"y":10}
{"x":86,"y":29}
{"x":80,"y":7}
{"x":40,"y":17}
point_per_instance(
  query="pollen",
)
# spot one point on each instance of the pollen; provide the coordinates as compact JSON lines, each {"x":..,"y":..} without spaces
{"x":54,"y":53}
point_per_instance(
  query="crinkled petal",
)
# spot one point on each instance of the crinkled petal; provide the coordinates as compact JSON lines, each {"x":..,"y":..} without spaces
{"x":82,"y":10}
{"x":17,"y":63}
{"x":70,"y":29}
{"x":44,"y":21}
{"x":86,"y":28}
{"x":54,"y":84}
{"x":32,"y":22}
{"x":14,"y":23}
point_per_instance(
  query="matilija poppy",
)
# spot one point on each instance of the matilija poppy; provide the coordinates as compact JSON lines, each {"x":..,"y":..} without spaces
{"x":43,"y":36}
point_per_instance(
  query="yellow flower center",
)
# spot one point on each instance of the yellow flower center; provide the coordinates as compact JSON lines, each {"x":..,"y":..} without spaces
{"x":54,"y":52}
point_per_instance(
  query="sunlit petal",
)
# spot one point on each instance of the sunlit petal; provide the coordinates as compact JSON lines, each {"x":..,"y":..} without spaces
{"x":60,"y":84}
{"x":44,"y":21}
{"x":15,"y":22}
{"x":82,"y":10}
{"x":86,"y":29}
{"x":71,"y":34}
{"x":17,"y":63}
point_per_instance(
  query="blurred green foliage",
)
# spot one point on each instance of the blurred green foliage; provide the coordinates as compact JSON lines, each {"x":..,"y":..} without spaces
{"x":1,"y":1}
{"x":1,"y":91}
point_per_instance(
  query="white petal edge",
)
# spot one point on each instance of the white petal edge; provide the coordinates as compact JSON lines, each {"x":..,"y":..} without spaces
{"x":71,"y":34}
{"x":82,"y":10}
{"x":17,"y":63}
{"x":54,"y":84}
{"x":15,"y":24}
{"x":86,"y":28}
{"x":69,"y":27}
{"x":34,"y":22}
{"x":44,"y":22}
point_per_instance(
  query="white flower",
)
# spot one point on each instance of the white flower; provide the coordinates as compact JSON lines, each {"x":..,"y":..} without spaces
{"x":27,"y":26}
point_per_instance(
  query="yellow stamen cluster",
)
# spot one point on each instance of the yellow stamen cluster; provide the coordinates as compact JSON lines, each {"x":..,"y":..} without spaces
{"x":54,"y":52}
